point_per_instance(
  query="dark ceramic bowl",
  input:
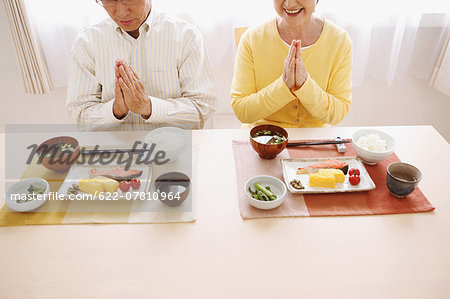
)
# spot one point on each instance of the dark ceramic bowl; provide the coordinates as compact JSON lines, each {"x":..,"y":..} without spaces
{"x":173,"y":188}
{"x":268,"y":151}
{"x":402,"y":178}
{"x":54,"y":160}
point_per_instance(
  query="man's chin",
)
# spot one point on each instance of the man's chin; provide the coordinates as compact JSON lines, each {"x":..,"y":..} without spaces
{"x":129,"y":29}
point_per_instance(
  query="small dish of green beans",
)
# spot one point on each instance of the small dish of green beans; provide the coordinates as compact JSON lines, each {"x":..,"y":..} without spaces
{"x":265,"y":192}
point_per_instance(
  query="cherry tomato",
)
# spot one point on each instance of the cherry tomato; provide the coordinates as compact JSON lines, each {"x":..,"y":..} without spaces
{"x":124,"y":186}
{"x":135,"y":183}
{"x":353,"y":172}
{"x":354,"y":180}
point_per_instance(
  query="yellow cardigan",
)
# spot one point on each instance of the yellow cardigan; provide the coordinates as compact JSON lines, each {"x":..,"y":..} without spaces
{"x":259,"y":94}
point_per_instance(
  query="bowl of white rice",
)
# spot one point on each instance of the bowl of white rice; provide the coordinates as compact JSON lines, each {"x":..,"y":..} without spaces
{"x":372,"y":146}
{"x":171,"y":140}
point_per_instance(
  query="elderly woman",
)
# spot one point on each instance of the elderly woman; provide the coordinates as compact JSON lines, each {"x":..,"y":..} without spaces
{"x":293,"y":71}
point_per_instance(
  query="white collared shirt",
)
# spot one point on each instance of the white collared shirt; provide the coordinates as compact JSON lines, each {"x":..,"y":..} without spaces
{"x":169,"y":57}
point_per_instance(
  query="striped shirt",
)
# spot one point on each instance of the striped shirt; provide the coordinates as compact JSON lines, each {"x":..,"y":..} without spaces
{"x":169,"y":57}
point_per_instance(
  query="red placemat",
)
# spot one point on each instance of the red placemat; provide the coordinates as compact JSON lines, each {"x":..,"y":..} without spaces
{"x":374,"y":202}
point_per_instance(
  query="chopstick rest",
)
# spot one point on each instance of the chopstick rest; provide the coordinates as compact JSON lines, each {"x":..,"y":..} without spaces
{"x":340,"y":147}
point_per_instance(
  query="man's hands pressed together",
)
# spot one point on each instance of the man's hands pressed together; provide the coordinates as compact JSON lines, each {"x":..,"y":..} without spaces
{"x":120,"y":108}
{"x":294,"y":72}
{"x":130,"y":92}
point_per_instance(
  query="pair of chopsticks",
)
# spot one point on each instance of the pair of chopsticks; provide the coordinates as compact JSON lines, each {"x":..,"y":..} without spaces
{"x":306,"y":143}
{"x":115,"y":151}
{"x":111,"y":151}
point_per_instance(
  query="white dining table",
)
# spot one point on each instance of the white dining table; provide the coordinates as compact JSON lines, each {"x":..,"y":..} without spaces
{"x":220,"y":255}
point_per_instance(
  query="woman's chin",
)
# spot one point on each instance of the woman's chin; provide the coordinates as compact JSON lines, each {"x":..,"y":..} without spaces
{"x":293,"y":19}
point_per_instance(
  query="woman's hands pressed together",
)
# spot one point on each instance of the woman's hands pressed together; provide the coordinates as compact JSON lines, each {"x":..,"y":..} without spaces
{"x":294,"y":72}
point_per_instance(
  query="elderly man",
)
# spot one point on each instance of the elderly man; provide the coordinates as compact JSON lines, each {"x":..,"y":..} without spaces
{"x":139,"y":68}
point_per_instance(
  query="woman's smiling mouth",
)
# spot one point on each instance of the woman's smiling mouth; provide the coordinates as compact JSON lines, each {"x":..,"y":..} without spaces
{"x":293,"y":12}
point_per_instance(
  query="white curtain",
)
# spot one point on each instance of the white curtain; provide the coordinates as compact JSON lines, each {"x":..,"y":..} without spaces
{"x":441,"y":75}
{"x":391,"y":38}
{"x":35,"y":75}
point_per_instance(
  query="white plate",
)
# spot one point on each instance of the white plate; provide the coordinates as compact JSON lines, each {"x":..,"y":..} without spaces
{"x":20,"y":188}
{"x":79,"y":172}
{"x":290,"y":167}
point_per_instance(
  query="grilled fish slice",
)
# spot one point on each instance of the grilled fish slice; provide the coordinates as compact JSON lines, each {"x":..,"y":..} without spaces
{"x":118,"y":173}
{"x":335,"y":164}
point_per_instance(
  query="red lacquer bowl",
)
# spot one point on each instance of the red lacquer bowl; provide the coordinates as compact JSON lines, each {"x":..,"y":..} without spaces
{"x":54,"y":161}
{"x":268,"y":151}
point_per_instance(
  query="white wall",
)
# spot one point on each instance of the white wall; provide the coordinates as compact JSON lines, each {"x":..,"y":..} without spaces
{"x":410,"y":102}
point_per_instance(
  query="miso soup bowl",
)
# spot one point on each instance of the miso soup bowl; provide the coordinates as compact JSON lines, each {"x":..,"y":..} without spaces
{"x":402,"y":178}
{"x":268,"y":151}
{"x":56,"y":162}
